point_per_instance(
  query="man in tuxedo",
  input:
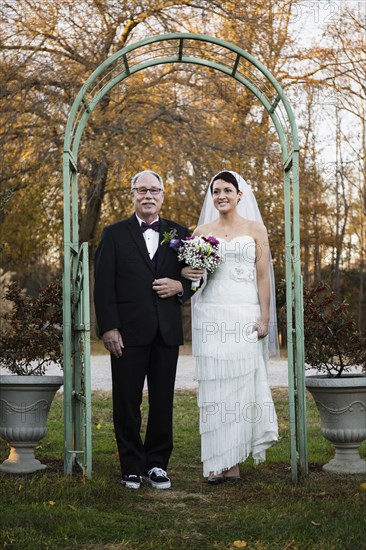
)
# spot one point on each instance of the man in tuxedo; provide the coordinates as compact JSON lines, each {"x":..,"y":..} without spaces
{"x":138,"y":294}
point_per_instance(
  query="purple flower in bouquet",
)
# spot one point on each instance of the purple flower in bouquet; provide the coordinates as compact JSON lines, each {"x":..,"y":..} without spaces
{"x":200,"y":253}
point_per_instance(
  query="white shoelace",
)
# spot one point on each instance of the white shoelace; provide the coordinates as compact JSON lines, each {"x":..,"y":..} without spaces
{"x":157,"y":471}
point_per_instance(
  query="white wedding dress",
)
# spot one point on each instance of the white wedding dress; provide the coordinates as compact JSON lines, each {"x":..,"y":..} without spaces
{"x":237,"y":414}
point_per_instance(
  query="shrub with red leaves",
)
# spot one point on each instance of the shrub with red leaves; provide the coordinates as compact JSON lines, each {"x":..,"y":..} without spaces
{"x":33,"y":335}
{"x":332,"y":341}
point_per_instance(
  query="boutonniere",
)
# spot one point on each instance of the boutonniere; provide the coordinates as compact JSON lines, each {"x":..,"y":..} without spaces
{"x":171,"y":239}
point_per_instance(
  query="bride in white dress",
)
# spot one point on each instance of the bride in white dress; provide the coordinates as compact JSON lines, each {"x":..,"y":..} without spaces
{"x":231,"y":317}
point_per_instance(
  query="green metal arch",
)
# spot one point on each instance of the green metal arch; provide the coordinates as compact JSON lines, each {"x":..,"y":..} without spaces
{"x":73,"y":145}
{"x":235,"y":62}
{"x":262,"y":98}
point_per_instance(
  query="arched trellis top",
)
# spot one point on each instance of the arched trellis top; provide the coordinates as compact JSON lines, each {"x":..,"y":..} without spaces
{"x":206,"y":51}
{"x":182,"y":48}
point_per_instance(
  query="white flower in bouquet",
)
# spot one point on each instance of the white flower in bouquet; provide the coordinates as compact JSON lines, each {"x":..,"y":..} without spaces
{"x":200,"y":253}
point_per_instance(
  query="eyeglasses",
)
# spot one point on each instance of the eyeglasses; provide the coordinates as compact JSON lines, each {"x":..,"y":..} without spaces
{"x":143,"y":190}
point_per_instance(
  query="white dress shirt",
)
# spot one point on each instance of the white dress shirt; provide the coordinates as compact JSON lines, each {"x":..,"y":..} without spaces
{"x":151,"y":238}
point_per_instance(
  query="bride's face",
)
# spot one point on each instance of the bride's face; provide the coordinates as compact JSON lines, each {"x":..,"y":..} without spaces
{"x":225,"y":196}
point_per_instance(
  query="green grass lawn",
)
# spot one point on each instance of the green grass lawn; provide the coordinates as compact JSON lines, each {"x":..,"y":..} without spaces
{"x":264,"y":510}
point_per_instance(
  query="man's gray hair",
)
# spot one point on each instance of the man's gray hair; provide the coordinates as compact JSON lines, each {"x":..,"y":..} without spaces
{"x":137,"y":176}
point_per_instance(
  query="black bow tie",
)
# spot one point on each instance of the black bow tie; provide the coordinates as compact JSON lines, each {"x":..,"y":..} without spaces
{"x":155,"y":226}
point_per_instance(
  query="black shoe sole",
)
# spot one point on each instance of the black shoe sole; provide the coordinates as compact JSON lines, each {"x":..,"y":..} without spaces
{"x":215,"y":480}
{"x":157,"y":485}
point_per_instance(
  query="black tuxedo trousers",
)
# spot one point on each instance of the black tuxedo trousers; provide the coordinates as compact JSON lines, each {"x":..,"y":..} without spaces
{"x":151,"y":329}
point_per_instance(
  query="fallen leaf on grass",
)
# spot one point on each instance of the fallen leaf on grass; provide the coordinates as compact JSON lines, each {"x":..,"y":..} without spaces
{"x":72,"y":507}
{"x":240,"y":544}
{"x":98,"y":426}
{"x":289,"y":545}
{"x":21,"y":488}
{"x":363,"y":487}
{"x":315,"y":523}
{"x":51,"y":502}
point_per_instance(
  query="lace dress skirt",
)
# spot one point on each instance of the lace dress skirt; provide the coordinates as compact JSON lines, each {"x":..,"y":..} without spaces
{"x":237,"y":414}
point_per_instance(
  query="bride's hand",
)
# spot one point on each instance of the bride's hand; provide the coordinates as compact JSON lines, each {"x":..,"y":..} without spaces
{"x":191,"y":273}
{"x":261,"y":328}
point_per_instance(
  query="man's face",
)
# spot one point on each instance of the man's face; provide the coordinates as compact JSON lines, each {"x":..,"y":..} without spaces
{"x":147,"y":205}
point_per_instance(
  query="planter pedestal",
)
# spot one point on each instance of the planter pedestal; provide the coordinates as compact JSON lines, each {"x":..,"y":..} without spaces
{"x":346,"y":460}
{"x":24,"y":405}
{"x":21,"y":459}
{"x":341,"y":404}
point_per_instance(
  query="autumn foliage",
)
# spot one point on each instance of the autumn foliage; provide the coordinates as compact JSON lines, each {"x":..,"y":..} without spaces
{"x":186,"y":122}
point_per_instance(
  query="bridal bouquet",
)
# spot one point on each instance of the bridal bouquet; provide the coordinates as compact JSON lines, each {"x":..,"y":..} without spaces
{"x":200,"y":253}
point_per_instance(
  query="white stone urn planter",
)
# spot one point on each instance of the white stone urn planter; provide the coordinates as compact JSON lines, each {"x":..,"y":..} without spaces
{"x":341,"y":404}
{"x":24,"y":405}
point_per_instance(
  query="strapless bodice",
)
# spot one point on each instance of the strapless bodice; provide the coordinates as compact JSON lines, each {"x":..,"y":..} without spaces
{"x":234,"y":281}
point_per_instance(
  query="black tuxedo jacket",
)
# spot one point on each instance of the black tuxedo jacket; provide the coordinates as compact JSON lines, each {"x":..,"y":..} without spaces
{"x":123,"y":293}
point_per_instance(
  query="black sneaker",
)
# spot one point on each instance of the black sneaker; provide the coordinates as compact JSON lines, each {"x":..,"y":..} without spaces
{"x":131,"y":481}
{"x":158,"y":478}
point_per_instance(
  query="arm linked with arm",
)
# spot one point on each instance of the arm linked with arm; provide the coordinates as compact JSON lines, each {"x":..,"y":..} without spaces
{"x":186,"y":283}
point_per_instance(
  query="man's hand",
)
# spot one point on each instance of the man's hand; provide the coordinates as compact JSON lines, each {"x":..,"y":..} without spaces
{"x":113,"y":342}
{"x":165,"y":287}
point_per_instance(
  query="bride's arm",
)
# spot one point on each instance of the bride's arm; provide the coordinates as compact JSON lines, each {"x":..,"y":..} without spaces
{"x":262,"y":266}
{"x":191,"y":273}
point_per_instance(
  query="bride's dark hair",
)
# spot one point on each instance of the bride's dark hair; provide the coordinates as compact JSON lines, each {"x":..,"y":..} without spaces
{"x":226,"y":176}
